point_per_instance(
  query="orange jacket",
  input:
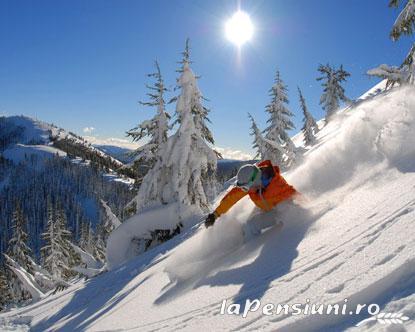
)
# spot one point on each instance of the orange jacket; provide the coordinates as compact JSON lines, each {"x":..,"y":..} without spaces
{"x":278,"y":190}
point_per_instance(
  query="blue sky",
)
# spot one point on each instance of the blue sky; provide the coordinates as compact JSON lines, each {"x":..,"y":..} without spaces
{"x":83,"y":63}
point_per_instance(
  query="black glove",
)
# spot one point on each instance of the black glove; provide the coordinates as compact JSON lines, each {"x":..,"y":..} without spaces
{"x":210,"y":220}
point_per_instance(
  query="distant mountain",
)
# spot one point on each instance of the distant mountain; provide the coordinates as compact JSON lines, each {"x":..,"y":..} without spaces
{"x":17,"y":132}
{"x":117,"y":152}
{"x":227,"y":168}
{"x":41,"y":163}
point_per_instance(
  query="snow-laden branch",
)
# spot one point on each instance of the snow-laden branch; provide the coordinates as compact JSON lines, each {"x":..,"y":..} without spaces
{"x":393,"y":75}
{"x":86,"y":258}
{"x":28,"y":281}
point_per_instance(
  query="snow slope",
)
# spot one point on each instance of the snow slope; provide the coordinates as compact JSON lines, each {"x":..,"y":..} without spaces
{"x":31,"y":132}
{"x":26,"y":137}
{"x":118,"y":152}
{"x":19,"y":152}
{"x":350,"y":237}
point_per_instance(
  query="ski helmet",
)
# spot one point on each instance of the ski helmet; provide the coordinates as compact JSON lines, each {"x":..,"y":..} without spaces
{"x":248,"y":176}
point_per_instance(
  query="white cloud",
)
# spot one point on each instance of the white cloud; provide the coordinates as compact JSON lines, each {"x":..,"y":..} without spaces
{"x":114,"y":141}
{"x":229,"y":153}
{"x":88,"y":130}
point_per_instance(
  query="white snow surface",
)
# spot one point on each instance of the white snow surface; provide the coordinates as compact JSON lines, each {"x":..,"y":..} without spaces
{"x":38,"y":133}
{"x":33,"y":130}
{"x":120,"y":245}
{"x":349,"y":236}
{"x":19,"y":152}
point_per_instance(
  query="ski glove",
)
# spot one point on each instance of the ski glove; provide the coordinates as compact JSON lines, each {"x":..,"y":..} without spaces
{"x":210,"y":220}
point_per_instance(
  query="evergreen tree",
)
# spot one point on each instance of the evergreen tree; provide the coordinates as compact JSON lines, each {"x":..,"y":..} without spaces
{"x":66,"y":239}
{"x":259,"y":142}
{"x":84,"y":238}
{"x":333,"y":92}
{"x":57,"y":253}
{"x":199,"y":111}
{"x":90,"y":245}
{"x":5,"y":295}
{"x":408,"y":66}
{"x":99,"y":247}
{"x":155,"y":129}
{"x":109,"y":221}
{"x":185,"y":174}
{"x":87,"y":241}
{"x":18,"y":248}
{"x":310,"y":127}
{"x":185,"y":61}
{"x":20,"y":252}
{"x":405,"y":23}
{"x":279,"y":123}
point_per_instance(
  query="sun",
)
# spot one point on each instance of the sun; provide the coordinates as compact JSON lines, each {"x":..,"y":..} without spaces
{"x":239,"y":28}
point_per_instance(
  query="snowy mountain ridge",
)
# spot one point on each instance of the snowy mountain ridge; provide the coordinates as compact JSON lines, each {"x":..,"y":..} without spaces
{"x":22,"y":137}
{"x":33,"y":132}
{"x":350,"y":236}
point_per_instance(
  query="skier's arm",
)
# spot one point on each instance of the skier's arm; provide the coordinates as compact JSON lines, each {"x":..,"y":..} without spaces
{"x":229,"y":200}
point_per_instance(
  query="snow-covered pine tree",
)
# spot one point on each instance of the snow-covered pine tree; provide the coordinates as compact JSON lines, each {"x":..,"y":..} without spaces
{"x":67,"y":238}
{"x":185,"y":173}
{"x":5,"y":296}
{"x":20,"y":252}
{"x":57,"y":253}
{"x":90,"y":244}
{"x":405,"y":23}
{"x":99,"y":247}
{"x":259,"y":142}
{"x":50,"y":251}
{"x":156,"y":128}
{"x":87,"y":240}
{"x":109,"y":221}
{"x":200,"y":112}
{"x":408,"y":65}
{"x":84,"y":238}
{"x":282,"y":151}
{"x":310,"y":127}
{"x":333,"y":92}
{"x":18,"y":248}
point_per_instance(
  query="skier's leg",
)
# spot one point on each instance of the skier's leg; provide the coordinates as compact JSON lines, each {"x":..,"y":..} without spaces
{"x":264,"y":220}
{"x":257,"y":222}
{"x":249,"y":229}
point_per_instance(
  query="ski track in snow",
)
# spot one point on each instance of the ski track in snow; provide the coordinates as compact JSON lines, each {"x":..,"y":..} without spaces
{"x":353,"y":240}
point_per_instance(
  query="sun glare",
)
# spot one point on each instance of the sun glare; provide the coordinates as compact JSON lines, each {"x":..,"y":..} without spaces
{"x":239,"y":28}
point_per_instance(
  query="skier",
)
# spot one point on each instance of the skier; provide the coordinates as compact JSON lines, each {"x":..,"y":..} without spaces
{"x":266,"y":188}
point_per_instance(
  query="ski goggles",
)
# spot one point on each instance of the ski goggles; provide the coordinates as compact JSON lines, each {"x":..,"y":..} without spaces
{"x":247,"y":186}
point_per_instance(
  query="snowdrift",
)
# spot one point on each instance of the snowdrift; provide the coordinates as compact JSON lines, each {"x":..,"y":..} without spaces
{"x":350,"y":237}
{"x":121,"y":245}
